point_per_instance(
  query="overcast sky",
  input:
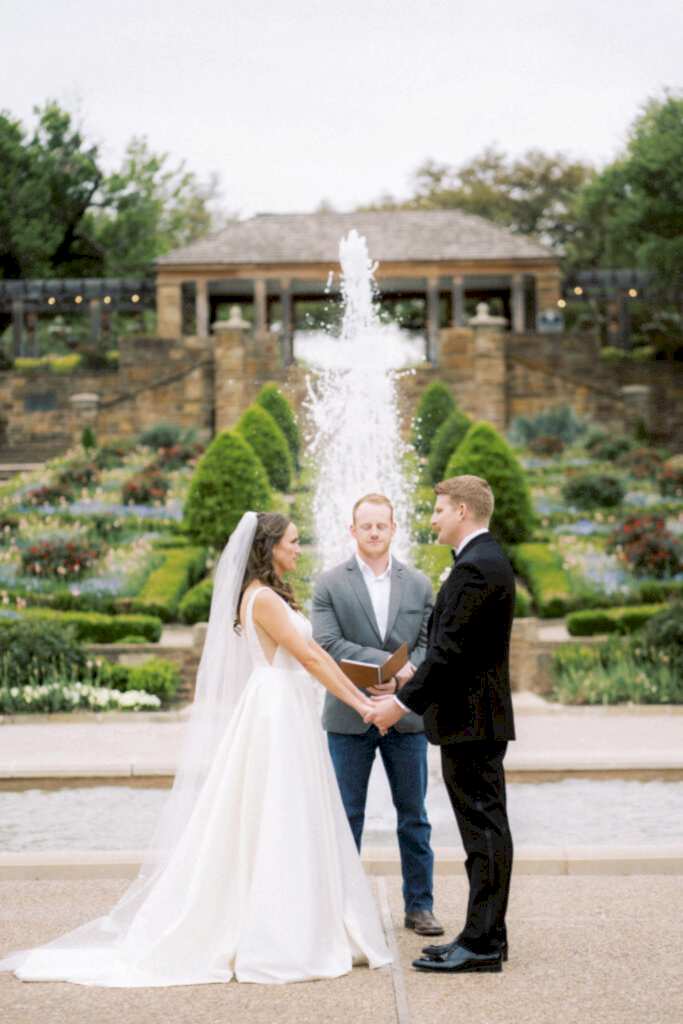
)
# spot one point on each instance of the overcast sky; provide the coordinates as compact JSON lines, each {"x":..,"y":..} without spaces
{"x":292,"y":103}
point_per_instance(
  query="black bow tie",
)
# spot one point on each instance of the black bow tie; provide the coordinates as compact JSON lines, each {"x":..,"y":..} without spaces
{"x":454,"y":556}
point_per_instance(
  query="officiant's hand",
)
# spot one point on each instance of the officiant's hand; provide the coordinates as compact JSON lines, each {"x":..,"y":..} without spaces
{"x":406,"y":673}
{"x":384,"y":689}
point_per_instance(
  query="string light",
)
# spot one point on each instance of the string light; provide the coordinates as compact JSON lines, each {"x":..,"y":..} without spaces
{"x":78,"y":300}
{"x":633,"y":293}
{"x":107,"y":300}
{"x":135,"y":298}
{"x":561,"y":303}
{"x":51,"y":301}
{"x":578,"y":290}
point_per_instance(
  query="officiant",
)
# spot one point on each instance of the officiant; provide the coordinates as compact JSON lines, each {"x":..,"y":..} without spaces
{"x":363,"y":610}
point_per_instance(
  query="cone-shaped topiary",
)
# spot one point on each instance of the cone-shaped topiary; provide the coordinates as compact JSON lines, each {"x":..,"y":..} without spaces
{"x":435,"y":406}
{"x":274,"y":402}
{"x":483,"y":452}
{"x":446,"y":440}
{"x":228,"y":481}
{"x":260,"y":430}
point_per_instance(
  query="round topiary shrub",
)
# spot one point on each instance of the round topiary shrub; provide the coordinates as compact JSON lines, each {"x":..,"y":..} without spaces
{"x":274,"y":402}
{"x":446,"y":440}
{"x":229,"y":480}
{"x":161,"y":435}
{"x":610,"y":448}
{"x":435,"y":406}
{"x":261,"y":431}
{"x":483,"y":452}
{"x":594,"y":490}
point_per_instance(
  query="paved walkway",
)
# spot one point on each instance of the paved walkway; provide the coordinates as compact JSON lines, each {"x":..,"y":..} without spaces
{"x":583,"y":951}
{"x":551,"y":739}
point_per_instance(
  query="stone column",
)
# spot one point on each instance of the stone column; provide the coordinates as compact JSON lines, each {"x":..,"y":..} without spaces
{"x":95,"y":307}
{"x":18,"y":326}
{"x":458,"y":301}
{"x":433,"y":320}
{"x":548,"y":290}
{"x":169,"y":310}
{"x":202,"y":307}
{"x":85,"y":406}
{"x":229,"y":369}
{"x":517,"y":296}
{"x":260,"y":305}
{"x":488,"y":390}
{"x":287,"y":325}
{"x":638,"y":405}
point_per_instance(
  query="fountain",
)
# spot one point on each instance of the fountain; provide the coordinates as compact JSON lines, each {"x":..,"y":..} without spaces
{"x":352,"y":404}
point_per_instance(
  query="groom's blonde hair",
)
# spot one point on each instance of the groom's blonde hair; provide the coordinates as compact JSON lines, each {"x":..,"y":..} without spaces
{"x":473,"y":491}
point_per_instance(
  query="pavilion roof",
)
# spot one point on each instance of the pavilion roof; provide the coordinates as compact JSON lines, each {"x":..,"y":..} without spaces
{"x":392,"y":235}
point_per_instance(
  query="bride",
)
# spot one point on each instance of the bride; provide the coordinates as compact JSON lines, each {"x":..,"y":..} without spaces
{"x":253,"y":873}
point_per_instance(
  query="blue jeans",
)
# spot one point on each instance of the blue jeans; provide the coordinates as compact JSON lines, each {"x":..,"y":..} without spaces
{"x":405,"y":760}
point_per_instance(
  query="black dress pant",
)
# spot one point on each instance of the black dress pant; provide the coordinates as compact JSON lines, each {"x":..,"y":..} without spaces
{"x":475,"y":780}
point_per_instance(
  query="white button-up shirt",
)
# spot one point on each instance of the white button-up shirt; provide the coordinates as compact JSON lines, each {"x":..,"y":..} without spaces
{"x":379,"y":589}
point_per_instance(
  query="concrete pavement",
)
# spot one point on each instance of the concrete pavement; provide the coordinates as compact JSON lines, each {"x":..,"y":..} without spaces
{"x":582,"y":951}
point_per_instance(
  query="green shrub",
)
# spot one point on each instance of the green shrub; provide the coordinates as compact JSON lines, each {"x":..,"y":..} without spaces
{"x":646,"y":546}
{"x":435,"y":405}
{"x":229,"y":480}
{"x":594,"y":490}
{"x":671,"y":481}
{"x":624,"y":619}
{"x":156,"y":676}
{"x":165,"y":585}
{"x":663,"y":637}
{"x":435,"y":561}
{"x":37,"y":652}
{"x":196,"y":603}
{"x":161,"y":435}
{"x":546,"y":444}
{"x":523,"y":604}
{"x":88,"y":439}
{"x":112,"y":455}
{"x":484,"y":453}
{"x":274,"y":402}
{"x":610,"y":448}
{"x":612,"y":673}
{"x":549,"y":582}
{"x":559,"y":422}
{"x":261,"y":431}
{"x":642,"y":463}
{"x":96,"y":628}
{"x":446,"y":440}
{"x":145,"y":487}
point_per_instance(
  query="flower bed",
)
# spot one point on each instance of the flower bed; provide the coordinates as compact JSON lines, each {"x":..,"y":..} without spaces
{"x":55,"y":697}
{"x":59,"y":559}
{"x":597,"y":621}
{"x":647,"y":547}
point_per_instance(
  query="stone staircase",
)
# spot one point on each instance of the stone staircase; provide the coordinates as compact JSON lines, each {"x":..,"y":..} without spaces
{"x":30,"y":455}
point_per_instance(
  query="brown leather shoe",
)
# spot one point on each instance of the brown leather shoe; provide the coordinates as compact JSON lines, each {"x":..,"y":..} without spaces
{"x":423,"y":922}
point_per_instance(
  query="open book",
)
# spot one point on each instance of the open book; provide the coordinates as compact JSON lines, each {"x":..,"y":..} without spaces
{"x":364,"y":673}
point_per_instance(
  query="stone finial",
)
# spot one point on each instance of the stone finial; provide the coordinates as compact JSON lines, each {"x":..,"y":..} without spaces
{"x":235,"y":322}
{"x":484,"y":318}
{"x":86,"y":403}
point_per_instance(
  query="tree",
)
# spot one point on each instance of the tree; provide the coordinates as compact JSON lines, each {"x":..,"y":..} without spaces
{"x":260,"y":430}
{"x":435,"y":405}
{"x":532,"y":194}
{"x":47,"y":182}
{"x":274,"y":402}
{"x":147,"y":208}
{"x":631,"y":214}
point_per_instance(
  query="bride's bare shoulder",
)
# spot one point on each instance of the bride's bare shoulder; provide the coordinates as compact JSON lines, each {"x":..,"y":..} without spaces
{"x":265,"y":600}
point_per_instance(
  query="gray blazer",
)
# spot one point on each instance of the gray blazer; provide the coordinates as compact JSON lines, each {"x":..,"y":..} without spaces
{"x":344,"y":624}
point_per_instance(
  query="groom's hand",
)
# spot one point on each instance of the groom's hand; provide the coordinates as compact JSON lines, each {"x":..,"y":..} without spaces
{"x":386,"y":713}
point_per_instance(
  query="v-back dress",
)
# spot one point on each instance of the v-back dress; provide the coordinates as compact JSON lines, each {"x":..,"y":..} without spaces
{"x":266,"y":884}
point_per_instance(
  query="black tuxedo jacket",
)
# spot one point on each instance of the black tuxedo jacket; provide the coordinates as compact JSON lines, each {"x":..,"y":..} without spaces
{"x":463,"y":685}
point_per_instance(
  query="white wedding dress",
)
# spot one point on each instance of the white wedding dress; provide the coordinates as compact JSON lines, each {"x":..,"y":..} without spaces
{"x":265,"y":883}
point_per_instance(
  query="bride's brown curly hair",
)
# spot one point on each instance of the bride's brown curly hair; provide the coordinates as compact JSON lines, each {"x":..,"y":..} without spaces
{"x":270,"y":529}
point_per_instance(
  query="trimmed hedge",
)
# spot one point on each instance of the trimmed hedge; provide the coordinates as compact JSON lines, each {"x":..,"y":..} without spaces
{"x":548,"y":581}
{"x":274,"y":402}
{"x":95,"y":628}
{"x":229,"y":480}
{"x":446,"y":440}
{"x":261,"y":431}
{"x":165,"y":586}
{"x":625,"y":619}
{"x":196,"y":603}
{"x":435,"y":405}
{"x":594,"y":490}
{"x":483,"y":452}
{"x":157,"y":676}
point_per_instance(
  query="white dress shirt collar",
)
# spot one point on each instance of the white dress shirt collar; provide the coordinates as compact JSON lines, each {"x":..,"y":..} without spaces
{"x":469,"y":537}
{"x":367,"y":571}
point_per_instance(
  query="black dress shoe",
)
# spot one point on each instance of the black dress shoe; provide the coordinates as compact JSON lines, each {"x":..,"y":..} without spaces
{"x":459,"y":960}
{"x":437,"y":951}
{"x":423,"y":922}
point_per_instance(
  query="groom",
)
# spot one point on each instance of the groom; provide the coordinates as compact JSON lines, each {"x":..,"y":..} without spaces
{"x":364,"y":609}
{"x":463,"y":689}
